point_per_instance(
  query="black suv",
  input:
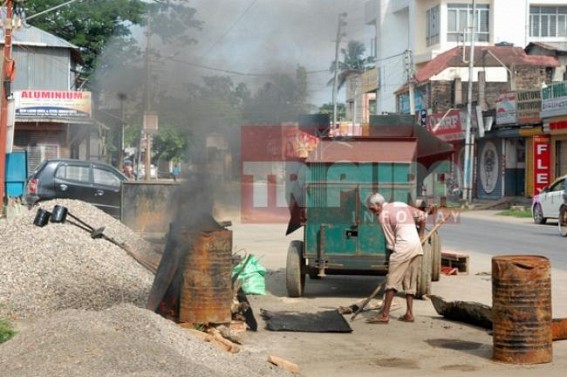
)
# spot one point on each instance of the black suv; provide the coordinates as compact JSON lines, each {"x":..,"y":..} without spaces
{"x":91,"y":181}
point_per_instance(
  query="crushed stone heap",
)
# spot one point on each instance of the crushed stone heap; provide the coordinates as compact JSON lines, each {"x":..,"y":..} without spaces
{"x":59,"y":266}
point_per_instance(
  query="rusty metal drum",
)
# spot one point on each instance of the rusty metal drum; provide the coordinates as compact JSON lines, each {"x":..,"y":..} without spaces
{"x":521,"y":309}
{"x":206,"y":294}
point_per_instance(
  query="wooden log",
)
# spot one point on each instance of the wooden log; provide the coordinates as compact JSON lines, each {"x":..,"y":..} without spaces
{"x":284,"y":364}
{"x":481,"y":315}
{"x":463,"y":311}
{"x":218,"y":341}
{"x":216,"y":334}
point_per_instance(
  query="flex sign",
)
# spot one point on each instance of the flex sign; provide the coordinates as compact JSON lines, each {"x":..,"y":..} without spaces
{"x":541,"y":175}
{"x":554,"y":100}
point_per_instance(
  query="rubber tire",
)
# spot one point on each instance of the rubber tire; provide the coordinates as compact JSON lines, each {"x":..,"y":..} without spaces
{"x":562,"y":221}
{"x":435,"y":242}
{"x":424,"y":278}
{"x":538,"y":219}
{"x":295,"y":269}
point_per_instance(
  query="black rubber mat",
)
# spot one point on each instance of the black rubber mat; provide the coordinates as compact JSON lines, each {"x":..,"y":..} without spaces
{"x":325,"y":321}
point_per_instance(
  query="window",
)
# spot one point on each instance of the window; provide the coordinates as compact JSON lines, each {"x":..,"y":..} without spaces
{"x":73,"y":173}
{"x":548,"y":21}
{"x":459,"y":21}
{"x":105,"y":178}
{"x":432,"y":35}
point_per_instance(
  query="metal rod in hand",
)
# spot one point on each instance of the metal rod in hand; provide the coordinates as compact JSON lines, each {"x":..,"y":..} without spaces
{"x":383,"y":284}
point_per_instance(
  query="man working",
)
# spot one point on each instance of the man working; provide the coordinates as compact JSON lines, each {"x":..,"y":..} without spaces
{"x":398,"y":221}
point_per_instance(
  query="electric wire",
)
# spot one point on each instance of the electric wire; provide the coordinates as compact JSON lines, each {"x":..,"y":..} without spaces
{"x":230,"y":28}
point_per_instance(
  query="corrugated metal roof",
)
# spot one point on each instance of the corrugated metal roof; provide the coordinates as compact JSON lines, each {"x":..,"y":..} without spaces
{"x":482,"y":58}
{"x":31,"y":35}
{"x":430,"y":148}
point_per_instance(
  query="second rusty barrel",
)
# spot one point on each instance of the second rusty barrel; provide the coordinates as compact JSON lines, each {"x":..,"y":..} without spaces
{"x":521,"y":309}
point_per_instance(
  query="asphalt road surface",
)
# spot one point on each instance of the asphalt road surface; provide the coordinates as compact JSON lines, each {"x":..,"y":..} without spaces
{"x":433,"y":345}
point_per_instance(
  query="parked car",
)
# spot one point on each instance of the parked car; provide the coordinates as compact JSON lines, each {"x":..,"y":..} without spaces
{"x":549,"y":202}
{"x":91,"y":181}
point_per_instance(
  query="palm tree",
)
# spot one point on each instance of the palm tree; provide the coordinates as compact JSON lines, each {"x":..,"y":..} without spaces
{"x":353,"y":62}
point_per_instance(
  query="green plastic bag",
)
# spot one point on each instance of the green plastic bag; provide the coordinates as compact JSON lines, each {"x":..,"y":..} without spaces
{"x":250,"y":274}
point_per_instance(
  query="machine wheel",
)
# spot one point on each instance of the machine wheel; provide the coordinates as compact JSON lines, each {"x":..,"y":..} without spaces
{"x":424,"y":278}
{"x":562,"y":221}
{"x":435,"y":243}
{"x":537,"y":213}
{"x":295,"y":269}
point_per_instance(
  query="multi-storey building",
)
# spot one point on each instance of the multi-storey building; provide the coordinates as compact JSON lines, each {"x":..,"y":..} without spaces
{"x":423,"y":29}
{"x":423,"y":50}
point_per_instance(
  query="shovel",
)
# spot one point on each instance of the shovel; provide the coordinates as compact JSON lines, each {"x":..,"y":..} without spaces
{"x":59,"y":215}
{"x":383,"y":284}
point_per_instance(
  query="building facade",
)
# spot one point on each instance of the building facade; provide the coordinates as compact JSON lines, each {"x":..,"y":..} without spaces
{"x":52,"y":118}
{"x":427,"y":28}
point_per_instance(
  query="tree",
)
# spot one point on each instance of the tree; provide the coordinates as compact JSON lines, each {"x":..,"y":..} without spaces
{"x":169,"y":145}
{"x":353,"y":62}
{"x":92,"y":24}
{"x":327,"y":108}
{"x":281,"y":99}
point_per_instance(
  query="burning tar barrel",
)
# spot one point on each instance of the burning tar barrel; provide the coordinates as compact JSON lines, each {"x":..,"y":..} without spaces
{"x":206,"y":293}
{"x":521,"y":309}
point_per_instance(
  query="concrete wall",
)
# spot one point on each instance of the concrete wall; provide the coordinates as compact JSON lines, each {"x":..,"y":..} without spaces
{"x":147,"y":206}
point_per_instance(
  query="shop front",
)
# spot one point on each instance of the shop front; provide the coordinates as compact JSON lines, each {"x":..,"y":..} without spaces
{"x":554,"y":117}
{"x":56,"y":124}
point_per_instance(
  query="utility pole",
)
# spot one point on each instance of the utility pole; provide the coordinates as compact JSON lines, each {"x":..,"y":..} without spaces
{"x":340,"y":34}
{"x":148,"y":159}
{"x":121,"y":97}
{"x":469,"y":137}
{"x":7,"y":71}
{"x":410,"y":72}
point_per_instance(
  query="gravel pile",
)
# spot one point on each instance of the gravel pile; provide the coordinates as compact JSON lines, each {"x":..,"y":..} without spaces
{"x":121,"y":341}
{"x":59,"y":266}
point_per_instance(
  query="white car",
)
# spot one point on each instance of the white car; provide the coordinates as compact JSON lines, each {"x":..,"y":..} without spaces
{"x":550,"y":204}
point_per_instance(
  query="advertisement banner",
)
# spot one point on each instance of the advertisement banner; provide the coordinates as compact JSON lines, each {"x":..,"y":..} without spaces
{"x":52,"y":104}
{"x":554,"y":100}
{"x":542,"y":162}
{"x":449,"y":126}
{"x":528,"y":106}
{"x":506,"y":109}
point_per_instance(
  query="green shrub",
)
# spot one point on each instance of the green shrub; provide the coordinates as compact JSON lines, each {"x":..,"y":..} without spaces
{"x":6,"y":331}
{"x":516,"y":213}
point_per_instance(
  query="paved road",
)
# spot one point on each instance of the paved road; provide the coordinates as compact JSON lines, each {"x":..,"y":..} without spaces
{"x":432,"y":346}
{"x":484,"y":234}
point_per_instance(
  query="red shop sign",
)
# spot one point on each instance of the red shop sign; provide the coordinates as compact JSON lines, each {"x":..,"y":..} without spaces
{"x":542,"y":161}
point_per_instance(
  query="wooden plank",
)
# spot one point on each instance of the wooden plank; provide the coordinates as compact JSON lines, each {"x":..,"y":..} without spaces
{"x":215,"y":339}
{"x":284,"y":364}
{"x":460,"y":261}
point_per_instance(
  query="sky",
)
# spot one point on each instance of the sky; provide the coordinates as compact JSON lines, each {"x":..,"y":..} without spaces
{"x":247,"y":39}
